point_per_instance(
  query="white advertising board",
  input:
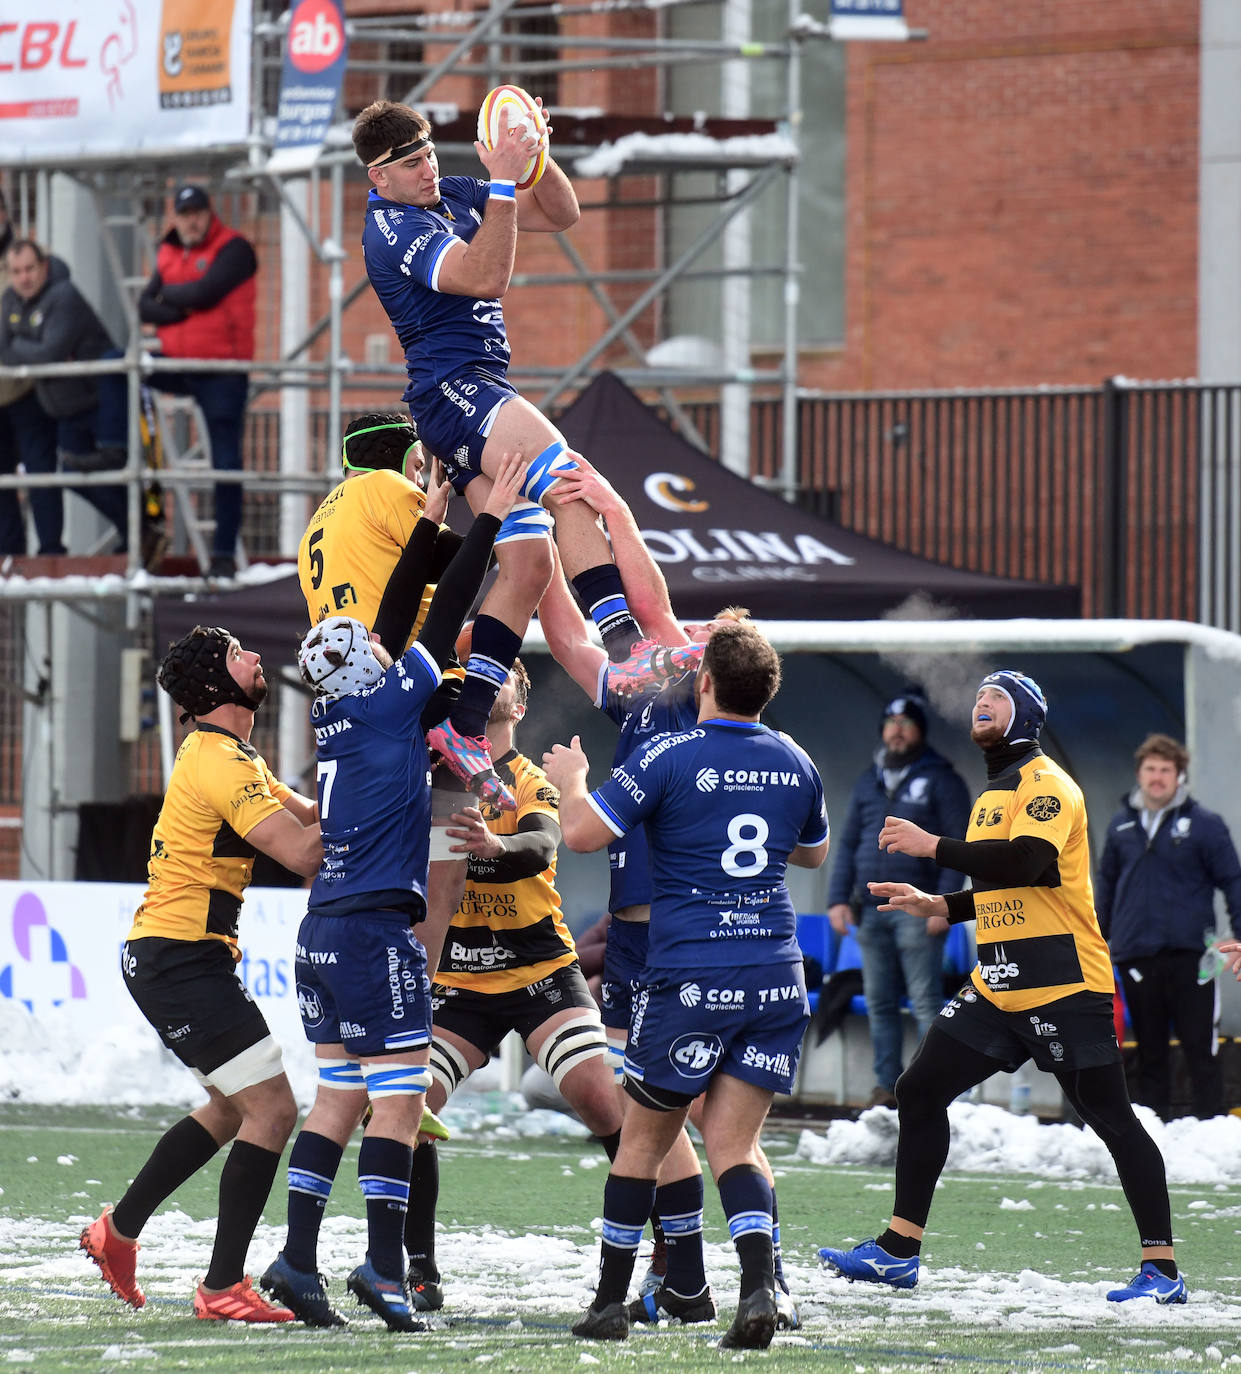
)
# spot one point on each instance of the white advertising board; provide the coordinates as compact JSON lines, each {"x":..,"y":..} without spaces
{"x":60,"y":950}
{"x":101,"y":79}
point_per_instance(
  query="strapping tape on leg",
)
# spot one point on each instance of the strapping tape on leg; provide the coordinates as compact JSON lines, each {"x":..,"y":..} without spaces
{"x":572,"y":1044}
{"x":525,"y":521}
{"x":255,"y":1065}
{"x":340,"y":1073}
{"x":448,"y":1067}
{"x":616,"y":1060}
{"x":545,"y":470}
{"x":386,"y":1079}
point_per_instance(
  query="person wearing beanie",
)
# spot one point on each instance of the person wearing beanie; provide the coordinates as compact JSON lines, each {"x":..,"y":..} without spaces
{"x":1042,"y":990}
{"x":900,"y":952}
{"x":179,"y":962}
{"x":201,"y":300}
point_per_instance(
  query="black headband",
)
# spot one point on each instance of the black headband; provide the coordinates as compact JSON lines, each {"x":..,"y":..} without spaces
{"x":396,"y":154}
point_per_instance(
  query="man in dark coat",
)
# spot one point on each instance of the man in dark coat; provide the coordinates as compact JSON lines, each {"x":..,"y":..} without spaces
{"x":900,"y":953}
{"x":1164,"y":857}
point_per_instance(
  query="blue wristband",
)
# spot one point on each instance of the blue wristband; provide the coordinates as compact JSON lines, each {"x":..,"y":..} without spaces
{"x":502,"y":190}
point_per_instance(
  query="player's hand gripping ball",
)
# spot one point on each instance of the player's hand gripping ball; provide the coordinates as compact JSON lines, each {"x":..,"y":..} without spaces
{"x":505,"y":108}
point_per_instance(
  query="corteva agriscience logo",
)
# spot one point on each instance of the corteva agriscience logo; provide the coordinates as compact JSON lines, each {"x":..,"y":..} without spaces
{"x":42,"y":975}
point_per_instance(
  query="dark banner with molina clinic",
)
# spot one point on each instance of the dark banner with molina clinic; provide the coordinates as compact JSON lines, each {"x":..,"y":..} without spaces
{"x":310,"y":82}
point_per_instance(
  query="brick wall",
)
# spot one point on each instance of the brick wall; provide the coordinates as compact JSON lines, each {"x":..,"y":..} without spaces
{"x":1021,"y":192}
{"x":1022,"y":197}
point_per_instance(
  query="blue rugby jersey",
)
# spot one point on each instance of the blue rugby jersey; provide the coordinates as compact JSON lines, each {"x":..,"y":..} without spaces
{"x":403,"y":245}
{"x":639,"y":718}
{"x":724,"y":803}
{"x":373,"y":777}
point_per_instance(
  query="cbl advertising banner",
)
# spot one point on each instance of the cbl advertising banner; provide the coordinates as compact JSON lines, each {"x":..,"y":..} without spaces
{"x":87,"y":80}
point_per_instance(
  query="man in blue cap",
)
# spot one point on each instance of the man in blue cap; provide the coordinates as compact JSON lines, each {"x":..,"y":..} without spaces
{"x":1042,"y":990}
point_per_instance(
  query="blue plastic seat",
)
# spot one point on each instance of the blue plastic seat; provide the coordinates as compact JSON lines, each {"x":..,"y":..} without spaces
{"x":818,"y":941}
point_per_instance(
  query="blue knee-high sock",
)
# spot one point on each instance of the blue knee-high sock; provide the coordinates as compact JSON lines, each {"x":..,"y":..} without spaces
{"x":746,"y":1198}
{"x":627,"y":1203}
{"x":679,"y":1205}
{"x":383,"y":1172}
{"x":493,"y":647}
{"x":313,"y":1163}
{"x":603,"y":596}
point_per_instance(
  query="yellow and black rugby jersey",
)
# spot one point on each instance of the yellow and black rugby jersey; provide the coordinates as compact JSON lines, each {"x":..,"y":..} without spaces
{"x":1037,"y":944}
{"x":200,"y":863}
{"x":352,"y":544}
{"x":507,"y":936}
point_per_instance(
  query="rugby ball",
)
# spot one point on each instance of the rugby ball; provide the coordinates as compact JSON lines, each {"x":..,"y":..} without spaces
{"x":505,"y":108}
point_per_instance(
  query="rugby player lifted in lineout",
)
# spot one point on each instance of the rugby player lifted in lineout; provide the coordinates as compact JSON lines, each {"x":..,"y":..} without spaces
{"x":440,"y":256}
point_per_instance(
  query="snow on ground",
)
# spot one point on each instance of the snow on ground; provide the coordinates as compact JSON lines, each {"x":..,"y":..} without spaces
{"x":495,"y":1276}
{"x":991,"y":1140}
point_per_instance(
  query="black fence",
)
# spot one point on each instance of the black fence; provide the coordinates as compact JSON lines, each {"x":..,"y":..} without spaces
{"x":1129,"y":490}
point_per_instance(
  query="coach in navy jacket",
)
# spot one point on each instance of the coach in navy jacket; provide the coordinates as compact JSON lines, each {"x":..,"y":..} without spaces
{"x":1163,"y":860}
{"x":899,"y":952}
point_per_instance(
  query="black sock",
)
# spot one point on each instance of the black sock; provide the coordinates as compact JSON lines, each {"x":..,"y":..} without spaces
{"x":746,"y":1198}
{"x":626,"y":1205}
{"x":245,"y":1185}
{"x":610,"y":1143}
{"x":899,"y":1246}
{"x":424,"y":1193}
{"x":493,"y":647}
{"x":384,"y":1167}
{"x":313,"y":1163}
{"x":602,"y":594}
{"x":1166,"y":1267}
{"x":679,"y":1205}
{"x":182,"y":1150}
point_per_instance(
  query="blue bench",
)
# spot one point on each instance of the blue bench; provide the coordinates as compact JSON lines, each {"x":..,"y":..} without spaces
{"x":836,"y":952}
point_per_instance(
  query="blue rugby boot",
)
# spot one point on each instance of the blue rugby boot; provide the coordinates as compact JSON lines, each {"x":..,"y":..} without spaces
{"x":872,"y":1264}
{"x":303,"y":1294}
{"x":1148,"y":1282}
{"x":388,"y":1298}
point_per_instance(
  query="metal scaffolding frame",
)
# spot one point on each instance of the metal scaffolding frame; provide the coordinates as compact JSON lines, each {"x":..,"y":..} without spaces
{"x":451,"y":36}
{"x":127,"y":198}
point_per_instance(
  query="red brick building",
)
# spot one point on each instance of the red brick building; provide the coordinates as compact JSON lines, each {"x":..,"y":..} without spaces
{"x":1021,"y":195}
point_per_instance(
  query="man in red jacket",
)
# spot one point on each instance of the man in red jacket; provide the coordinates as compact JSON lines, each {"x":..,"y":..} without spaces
{"x":201,"y":300}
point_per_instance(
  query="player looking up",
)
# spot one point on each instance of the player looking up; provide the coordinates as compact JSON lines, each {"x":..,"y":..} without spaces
{"x":1042,"y":990}
{"x":641,"y":714}
{"x":362,"y":982}
{"x":180,"y":966}
{"x":440,"y":255}
{"x":509,"y":964}
{"x":728,"y":805}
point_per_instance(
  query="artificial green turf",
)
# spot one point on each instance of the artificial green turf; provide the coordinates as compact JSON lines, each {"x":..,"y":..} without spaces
{"x":1077,"y":1232}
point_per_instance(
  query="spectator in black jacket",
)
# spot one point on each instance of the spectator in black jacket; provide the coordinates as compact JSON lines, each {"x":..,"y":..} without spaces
{"x":44,"y":318}
{"x":900,"y":952}
{"x":1163,"y":860}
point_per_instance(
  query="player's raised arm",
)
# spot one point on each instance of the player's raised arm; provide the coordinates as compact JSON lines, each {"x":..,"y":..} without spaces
{"x":461,"y":582}
{"x":567,"y":766}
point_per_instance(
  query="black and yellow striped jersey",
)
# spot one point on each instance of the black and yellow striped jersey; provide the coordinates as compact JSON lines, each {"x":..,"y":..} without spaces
{"x":506,"y":936}
{"x":1042,"y":942}
{"x":200,"y":864}
{"x":353,"y":542}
